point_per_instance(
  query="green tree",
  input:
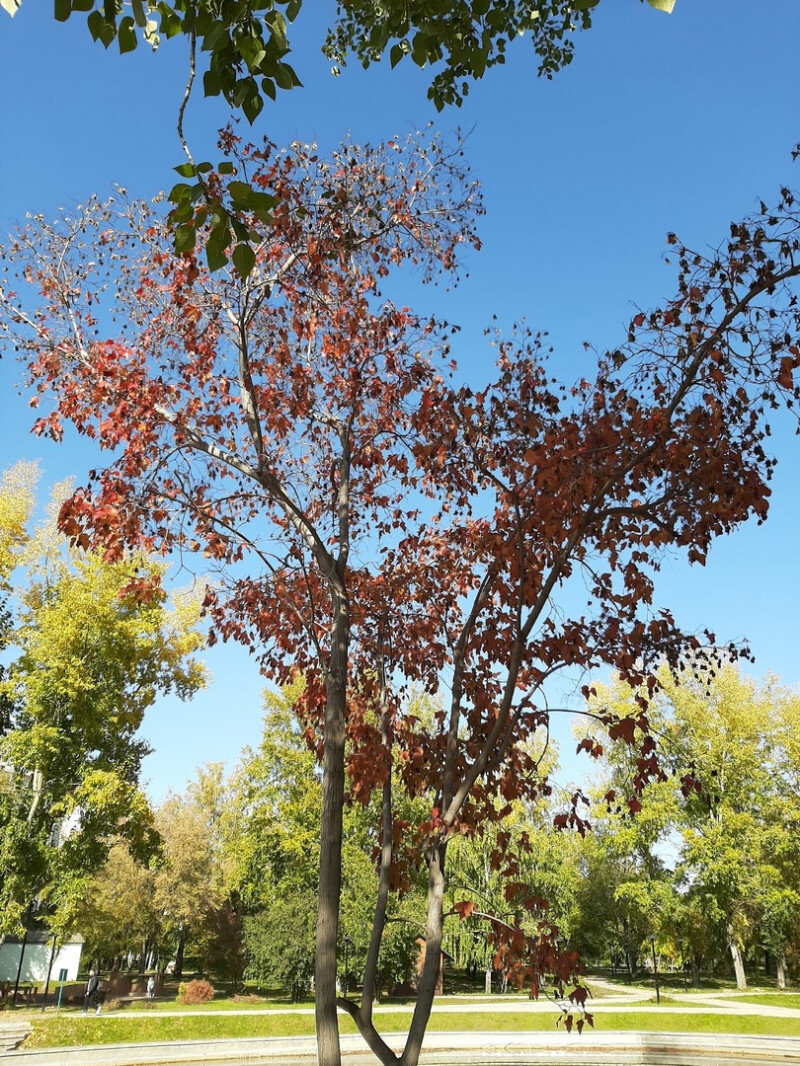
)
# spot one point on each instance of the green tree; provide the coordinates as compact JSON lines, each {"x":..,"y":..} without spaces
{"x":247,"y":44}
{"x":281,"y":944}
{"x":725,"y":737}
{"x":192,"y":884}
{"x":96,"y":644}
{"x":628,"y":893}
{"x":118,"y":914}
{"x":278,"y":797}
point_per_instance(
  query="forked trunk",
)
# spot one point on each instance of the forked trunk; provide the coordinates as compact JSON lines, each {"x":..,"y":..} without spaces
{"x":429,"y":977}
{"x":738,"y":963}
{"x":781,"y":963}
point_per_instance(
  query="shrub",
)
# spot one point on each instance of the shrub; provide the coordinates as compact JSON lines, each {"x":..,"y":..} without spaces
{"x":280,"y":945}
{"x":195,"y":992}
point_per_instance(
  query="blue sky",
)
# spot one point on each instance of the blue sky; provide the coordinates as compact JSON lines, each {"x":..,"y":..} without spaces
{"x":661,"y":123}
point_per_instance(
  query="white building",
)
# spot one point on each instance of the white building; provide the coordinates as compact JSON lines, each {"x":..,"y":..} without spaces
{"x":35,"y":950}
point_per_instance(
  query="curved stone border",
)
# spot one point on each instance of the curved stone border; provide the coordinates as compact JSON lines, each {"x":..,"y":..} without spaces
{"x":530,"y":1049}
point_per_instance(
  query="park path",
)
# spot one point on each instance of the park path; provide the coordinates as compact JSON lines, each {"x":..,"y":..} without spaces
{"x":633,"y":1000}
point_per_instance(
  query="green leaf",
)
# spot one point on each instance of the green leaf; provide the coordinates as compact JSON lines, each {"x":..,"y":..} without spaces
{"x":396,"y":54}
{"x":126,"y":35}
{"x":244,"y":259}
{"x":295,"y":81}
{"x":241,"y":192}
{"x":181,"y":191}
{"x":184,"y":239}
{"x":186,"y":170}
{"x":170,"y":23}
{"x":82,"y":5}
{"x":252,"y":107}
{"x":216,"y":257}
{"x":63,"y":9}
{"x":240,"y":230}
{"x":293,"y":9}
{"x":139,"y":16}
{"x":100,"y":29}
{"x":212,"y":83}
{"x":283,"y":76}
{"x":221,"y":231}
{"x":662,"y":5}
{"x":226,"y":168}
{"x":277,"y":25}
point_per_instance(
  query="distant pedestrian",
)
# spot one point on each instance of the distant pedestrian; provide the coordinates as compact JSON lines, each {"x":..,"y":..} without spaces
{"x":92,"y":987}
{"x":99,"y":1000}
{"x":151,"y":987}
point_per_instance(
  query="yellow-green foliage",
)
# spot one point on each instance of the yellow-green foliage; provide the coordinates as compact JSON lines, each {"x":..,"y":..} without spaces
{"x":97,"y":642}
{"x":17,"y":497}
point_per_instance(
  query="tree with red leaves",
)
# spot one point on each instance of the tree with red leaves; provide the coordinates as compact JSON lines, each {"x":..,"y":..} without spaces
{"x":378,"y":527}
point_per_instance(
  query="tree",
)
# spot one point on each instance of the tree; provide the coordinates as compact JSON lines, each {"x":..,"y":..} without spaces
{"x":277,"y":804}
{"x":733,"y":829}
{"x":118,"y":915}
{"x":193,"y":879}
{"x":247,"y":48}
{"x":628,"y":893}
{"x":17,"y":497}
{"x":399,"y":528}
{"x":96,"y":643}
{"x":722,"y":736}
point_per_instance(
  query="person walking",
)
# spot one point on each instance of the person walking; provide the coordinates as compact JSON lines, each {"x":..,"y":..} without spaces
{"x":92,"y":985}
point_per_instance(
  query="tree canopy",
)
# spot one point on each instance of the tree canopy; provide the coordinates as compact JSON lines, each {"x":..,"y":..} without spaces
{"x":379,"y":526}
{"x":95,"y":644}
{"x":247,"y":44}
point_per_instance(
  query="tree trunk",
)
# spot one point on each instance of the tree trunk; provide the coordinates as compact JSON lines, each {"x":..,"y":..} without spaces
{"x":330,"y":860}
{"x":695,"y":971}
{"x":179,"y":952}
{"x":738,"y":963}
{"x":781,"y":965}
{"x":429,"y":977}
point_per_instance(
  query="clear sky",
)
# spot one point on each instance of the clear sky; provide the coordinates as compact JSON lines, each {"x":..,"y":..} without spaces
{"x":661,"y":123}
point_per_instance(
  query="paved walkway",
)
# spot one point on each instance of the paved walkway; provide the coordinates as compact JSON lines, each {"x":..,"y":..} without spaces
{"x":551,"y":1047}
{"x":542,"y":1049}
{"x":635,"y":999}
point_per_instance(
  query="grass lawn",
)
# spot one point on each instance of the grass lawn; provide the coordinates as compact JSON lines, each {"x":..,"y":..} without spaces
{"x":772,"y":999}
{"x":277,"y":1002}
{"x":217,"y":1003}
{"x":71,"y":1030}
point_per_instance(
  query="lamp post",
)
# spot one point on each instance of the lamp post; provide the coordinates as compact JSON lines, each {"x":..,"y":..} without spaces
{"x":683,"y":968}
{"x":348,"y":943}
{"x":655,"y":968}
